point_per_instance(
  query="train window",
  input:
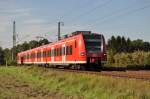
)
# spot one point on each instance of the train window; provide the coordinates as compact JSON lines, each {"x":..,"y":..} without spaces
{"x":66,"y":50}
{"x":38,"y":54}
{"x":44,"y":54}
{"x":49,"y":53}
{"x":70,"y":49}
{"x":60,"y":51}
{"x":27,"y":56}
{"x":57,"y":52}
{"x":31,"y":56}
{"x":34,"y":56}
{"x":54,"y":52}
{"x":75,"y":44}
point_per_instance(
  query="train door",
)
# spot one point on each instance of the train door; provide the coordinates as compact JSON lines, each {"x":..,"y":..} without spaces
{"x":52,"y":54}
{"x":63,"y":53}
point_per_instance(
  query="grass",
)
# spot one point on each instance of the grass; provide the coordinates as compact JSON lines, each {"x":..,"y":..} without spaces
{"x":72,"y":85}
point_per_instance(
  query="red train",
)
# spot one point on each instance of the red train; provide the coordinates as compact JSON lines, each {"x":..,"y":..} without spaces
{"x":80,"y":49}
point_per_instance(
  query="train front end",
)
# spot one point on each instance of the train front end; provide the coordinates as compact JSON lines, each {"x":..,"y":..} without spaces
{"x":95,"y":48}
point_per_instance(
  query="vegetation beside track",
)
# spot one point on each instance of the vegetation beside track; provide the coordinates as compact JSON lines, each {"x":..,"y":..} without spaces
{"x":37,"y":82}
{"x":137,"y":59}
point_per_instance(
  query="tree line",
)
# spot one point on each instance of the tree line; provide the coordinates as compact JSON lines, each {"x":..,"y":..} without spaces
{"x":121,"y":44}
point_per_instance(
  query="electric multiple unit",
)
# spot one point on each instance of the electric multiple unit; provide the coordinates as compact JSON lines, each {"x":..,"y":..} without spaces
{"x":78,"y":48}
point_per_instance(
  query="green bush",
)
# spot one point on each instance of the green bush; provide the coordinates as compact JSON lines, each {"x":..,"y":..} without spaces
{"x":137,"y":58}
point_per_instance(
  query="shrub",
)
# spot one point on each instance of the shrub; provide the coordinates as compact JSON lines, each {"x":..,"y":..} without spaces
{"x":137,"y":58}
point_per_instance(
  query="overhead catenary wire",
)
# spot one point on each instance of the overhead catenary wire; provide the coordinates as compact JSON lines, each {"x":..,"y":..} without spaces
{"x":114,"y":12}
{"x":91,"y":10}
{"x":67,"y":13}
{"x":118,"y":16}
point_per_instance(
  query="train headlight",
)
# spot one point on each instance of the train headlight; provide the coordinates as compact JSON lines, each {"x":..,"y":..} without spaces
{"x":82,"y":53}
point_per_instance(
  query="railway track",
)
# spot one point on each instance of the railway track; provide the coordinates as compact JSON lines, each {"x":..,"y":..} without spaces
{"x":141,"y":75}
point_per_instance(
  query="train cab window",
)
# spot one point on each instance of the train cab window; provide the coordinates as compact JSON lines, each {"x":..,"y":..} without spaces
{"x":92,"y":42}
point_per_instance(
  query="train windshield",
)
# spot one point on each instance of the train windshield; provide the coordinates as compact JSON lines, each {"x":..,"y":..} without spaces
{"x":92,"y":43}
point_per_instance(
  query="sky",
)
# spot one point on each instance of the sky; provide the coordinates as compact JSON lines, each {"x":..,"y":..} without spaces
{"x":129,"y":18}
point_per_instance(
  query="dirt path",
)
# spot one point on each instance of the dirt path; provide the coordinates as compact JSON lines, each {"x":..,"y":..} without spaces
{"x":12,"y":88}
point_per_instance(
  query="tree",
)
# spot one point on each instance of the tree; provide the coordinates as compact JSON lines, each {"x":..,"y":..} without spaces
{"x":25,"y":46}
{"x":33,"y":44}
{"x":123,"y":44}
{"x":7,"y":56}
{"x":43,"y":42}
{"x":1,"y":56}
